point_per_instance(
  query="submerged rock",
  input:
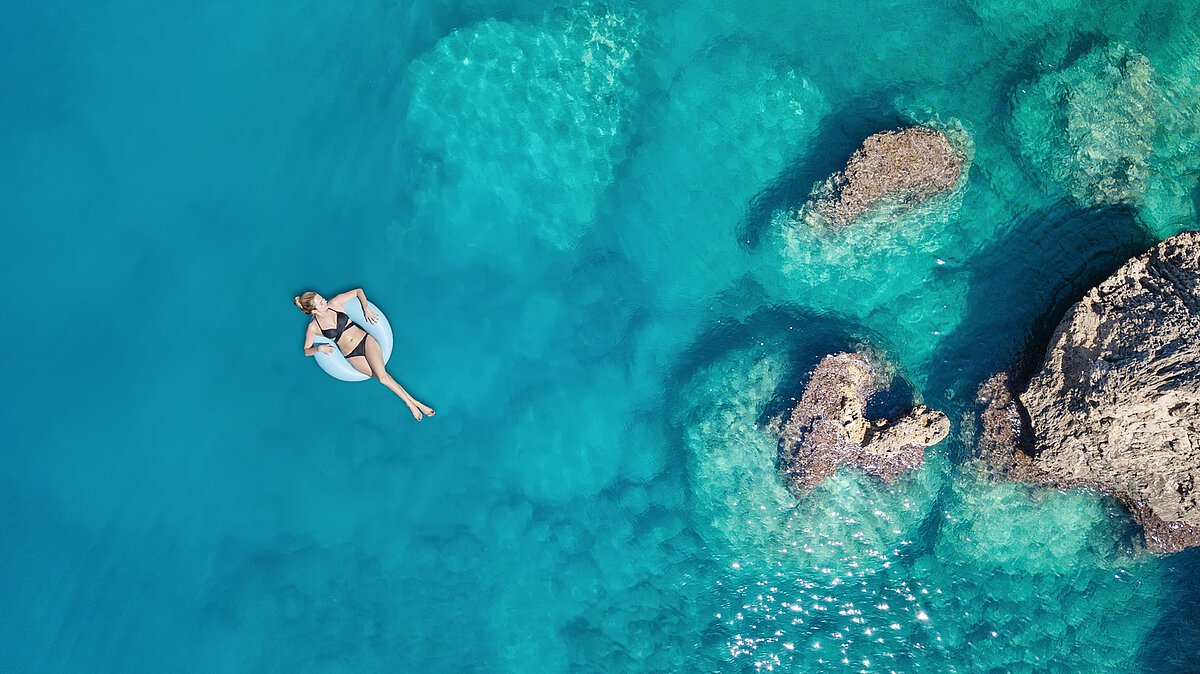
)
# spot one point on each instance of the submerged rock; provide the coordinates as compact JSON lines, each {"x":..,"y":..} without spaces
{"x":1090,"y":127}
{"x":546,"y":147}
{"x":829,"y":427}
{"x":1116,"y":402}
{"x":895,"y":168}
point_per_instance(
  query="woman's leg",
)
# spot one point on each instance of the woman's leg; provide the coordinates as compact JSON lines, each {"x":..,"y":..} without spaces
{"x":379,"y":370}
{"x":360,"y":363}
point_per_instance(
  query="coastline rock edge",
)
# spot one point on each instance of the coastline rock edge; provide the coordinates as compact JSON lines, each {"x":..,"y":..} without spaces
{"x":1115,"y":403}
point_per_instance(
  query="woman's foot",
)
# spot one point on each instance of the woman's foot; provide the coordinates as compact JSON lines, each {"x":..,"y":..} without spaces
{"x":426,"y":409}
{"x":416,"y":411}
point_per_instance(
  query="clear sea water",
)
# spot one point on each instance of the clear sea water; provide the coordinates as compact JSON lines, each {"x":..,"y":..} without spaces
{"x":576,"y":217}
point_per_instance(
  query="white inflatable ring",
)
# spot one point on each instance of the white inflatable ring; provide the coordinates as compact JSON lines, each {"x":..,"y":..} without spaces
{"x":335,"y":364}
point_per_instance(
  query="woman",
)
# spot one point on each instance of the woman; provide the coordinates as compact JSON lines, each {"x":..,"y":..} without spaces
{"x":360,"y":349}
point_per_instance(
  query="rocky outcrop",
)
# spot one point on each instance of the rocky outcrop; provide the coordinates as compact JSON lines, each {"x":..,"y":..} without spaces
{"x":896,"y":168}
{"x":1004,"y":443}
{"x":1116,"y":402}
{"x":829,"y":428}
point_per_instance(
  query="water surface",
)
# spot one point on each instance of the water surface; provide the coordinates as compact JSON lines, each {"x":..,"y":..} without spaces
{"x":576,"y":218}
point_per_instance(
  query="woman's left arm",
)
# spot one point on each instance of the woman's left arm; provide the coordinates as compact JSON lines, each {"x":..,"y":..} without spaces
{"x":340,"y":300}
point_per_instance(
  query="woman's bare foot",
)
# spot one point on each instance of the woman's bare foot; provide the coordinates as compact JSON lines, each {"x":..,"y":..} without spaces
{"x":426,"y":409}
{"x":416,"y":411}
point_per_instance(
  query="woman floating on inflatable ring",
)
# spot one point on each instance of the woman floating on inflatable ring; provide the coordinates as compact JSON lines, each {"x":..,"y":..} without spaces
{"x":361,"y":350}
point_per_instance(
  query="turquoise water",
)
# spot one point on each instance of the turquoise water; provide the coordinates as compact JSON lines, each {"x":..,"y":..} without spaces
{"x":579,"y":221}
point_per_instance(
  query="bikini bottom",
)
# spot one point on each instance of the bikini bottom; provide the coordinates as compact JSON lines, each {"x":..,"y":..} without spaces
{"x":360,"y":350}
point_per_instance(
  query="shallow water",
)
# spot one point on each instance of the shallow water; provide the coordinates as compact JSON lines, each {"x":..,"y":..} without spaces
{"x":578,"y":221}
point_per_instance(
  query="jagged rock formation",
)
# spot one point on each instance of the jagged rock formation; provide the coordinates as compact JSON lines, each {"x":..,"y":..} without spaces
{"x":1116,"y":402}
{"x":829,"y":428}
{"x":897,"y":168}
{"x":1004,"y":443}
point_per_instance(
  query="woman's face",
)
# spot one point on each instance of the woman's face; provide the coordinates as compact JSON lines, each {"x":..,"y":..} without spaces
{"x":318,"y":303}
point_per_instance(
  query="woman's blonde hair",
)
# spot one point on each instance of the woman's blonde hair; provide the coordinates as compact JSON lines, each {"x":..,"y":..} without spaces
{"x":305,"y":302}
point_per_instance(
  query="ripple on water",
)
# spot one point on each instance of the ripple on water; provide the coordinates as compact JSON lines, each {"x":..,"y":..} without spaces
{"x":1032,"y":573}
{"x":727,"y":122}
{"x":807,"y":581}
{"x":523,"y":124}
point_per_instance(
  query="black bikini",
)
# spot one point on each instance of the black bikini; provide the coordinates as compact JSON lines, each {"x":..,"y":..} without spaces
{"x":335,"y":333}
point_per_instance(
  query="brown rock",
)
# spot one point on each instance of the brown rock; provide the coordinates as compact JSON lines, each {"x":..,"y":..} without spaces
{"x":1004,"y":445}
{"x":1116,"y":403}
{"x":905,"y":167}
{"x":828,"y":428}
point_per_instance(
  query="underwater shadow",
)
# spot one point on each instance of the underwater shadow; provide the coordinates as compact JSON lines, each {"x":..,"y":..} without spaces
{"x":1028,"y":68}
{"x":1020,"y":287}
{"x":843,"y":131}
{"x":1171,"y":645}
{"x":804,"y":337}
{"x":840,"y":133}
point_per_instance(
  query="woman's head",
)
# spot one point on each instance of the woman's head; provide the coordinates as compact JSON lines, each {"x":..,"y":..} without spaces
{"x":310,"y":302}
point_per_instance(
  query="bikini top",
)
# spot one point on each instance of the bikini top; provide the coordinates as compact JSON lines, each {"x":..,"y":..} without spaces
{"x":335,"y":333}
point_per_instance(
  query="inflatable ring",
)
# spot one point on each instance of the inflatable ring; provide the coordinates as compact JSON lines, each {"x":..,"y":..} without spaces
{"x":335,"y":364}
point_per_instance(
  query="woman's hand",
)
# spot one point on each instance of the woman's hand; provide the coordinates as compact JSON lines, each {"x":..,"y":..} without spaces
{"x":324,"y":348}
{"x":371,"y":316}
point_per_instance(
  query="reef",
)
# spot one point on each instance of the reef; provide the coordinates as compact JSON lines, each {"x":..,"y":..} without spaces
{"x":829,"y":428}
{"x":481,"y":114}
{"x":1115,"y":404}
{"x":901,"y":168}
{"x":1090,"y":126}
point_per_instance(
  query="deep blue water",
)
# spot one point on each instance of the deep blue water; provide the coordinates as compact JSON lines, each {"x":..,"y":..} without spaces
{"x":577,"y":220}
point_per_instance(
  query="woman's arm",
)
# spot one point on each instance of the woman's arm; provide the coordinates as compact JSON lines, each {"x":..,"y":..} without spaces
{"x":309,"y":336}
{"x":340,"y":301}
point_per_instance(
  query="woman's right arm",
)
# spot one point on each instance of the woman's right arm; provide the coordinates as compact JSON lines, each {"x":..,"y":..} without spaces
{"x":309,"y":336}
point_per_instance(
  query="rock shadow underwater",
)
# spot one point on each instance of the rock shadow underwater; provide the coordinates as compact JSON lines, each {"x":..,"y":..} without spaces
{"x":1020,"y":285}
{"x":837,"y":136}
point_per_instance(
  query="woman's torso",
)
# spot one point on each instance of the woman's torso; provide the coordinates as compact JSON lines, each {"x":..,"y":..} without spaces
{"x":336,"y":325}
